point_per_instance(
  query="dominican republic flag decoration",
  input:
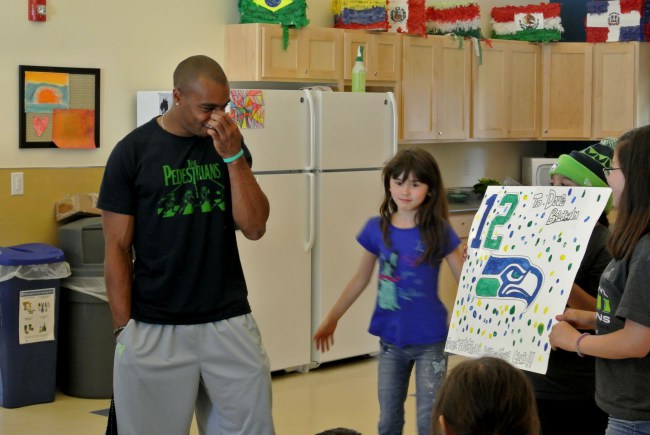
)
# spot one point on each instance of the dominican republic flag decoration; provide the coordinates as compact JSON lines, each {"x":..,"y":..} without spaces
{"x":406,"y":16}
{"x":360,"y":14}
{"x":460,"y":18}
{"x":288,"y":13}
{"x":538,"y":23}
{"x":625,"y":20}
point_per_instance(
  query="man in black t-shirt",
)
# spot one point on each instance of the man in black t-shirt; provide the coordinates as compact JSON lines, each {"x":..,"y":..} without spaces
{"x":174,"y":191}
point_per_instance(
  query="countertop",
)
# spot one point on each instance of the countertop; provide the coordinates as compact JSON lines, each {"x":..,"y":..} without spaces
{"x":470,"y":206}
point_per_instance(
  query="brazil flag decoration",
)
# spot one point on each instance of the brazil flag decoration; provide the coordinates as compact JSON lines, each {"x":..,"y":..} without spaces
{"x":288,"y":13}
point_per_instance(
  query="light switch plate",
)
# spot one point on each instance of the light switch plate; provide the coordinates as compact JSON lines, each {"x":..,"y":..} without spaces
{"x":17,"y":183}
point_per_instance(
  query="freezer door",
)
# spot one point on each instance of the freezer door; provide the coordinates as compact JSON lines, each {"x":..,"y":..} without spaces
{"x":278,"y":272}
{"x":280,"y":138}
{"x":346,"y":201}
{"x":354,"y":129}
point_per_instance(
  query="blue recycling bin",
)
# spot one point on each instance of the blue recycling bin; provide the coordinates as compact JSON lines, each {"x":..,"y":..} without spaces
{"x":30,"y":275}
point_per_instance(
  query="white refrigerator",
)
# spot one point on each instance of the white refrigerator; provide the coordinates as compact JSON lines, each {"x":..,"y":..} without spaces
{"x":318,"y":157}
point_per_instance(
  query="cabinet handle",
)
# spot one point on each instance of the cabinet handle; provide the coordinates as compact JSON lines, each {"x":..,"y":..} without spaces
{"x":439,"y":133}
{"x":306,"y":70}
{"x":375,"y":74}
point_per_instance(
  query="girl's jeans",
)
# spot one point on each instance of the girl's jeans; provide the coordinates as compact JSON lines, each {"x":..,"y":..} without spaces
{"x":395,"y":365}
{"x":617,"y":426}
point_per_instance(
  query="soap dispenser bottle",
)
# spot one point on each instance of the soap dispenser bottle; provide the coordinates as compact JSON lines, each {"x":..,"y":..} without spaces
{"x":359,"y":72}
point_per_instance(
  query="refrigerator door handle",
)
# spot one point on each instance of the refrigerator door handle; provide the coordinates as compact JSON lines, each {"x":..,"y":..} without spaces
{"x":312,"y":212}
{"x":312,"y":129}
{"x":393,"y":103}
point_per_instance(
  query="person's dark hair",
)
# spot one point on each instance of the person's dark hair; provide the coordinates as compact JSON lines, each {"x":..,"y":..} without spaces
{"x":486,"y":396}
{"x":433,"y":215}
{"x":190,"y":69}
{"x":339,"y":431}
{"x":633,"y":218}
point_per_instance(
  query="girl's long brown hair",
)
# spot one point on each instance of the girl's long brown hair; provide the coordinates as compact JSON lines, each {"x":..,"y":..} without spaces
{"x":433,"y":215}
{"x":486,"y":396}
{"x":633,"y":219}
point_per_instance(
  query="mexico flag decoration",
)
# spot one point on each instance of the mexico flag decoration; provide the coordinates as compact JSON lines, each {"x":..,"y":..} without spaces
{"x":609,"y":21}
{"x":539,"y":23}
{"x":406,"y":16}
{"x":360,"y":14}
{"x":460,"y":18}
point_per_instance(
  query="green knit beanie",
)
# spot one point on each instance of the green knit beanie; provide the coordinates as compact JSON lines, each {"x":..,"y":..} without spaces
{"x":585,"y":167}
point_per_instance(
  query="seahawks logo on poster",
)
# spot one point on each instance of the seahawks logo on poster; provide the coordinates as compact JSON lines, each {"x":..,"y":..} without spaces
{"x":273,"y":5}
{"x":510,"y":278}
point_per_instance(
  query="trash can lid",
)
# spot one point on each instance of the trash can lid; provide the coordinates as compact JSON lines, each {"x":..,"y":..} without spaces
{"x":30,"y":253}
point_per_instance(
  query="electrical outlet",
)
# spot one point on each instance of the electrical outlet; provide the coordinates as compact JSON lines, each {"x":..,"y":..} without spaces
{"x":17,"y":184}
{"x":466,"y":167}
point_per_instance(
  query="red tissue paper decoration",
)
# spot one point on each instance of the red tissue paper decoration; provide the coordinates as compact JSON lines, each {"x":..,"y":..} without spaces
{"x":461,"y":18}
{"x":624,"y":20}
{"x":406,"y":16}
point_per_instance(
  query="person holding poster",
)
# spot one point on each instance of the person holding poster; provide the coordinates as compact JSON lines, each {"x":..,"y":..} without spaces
{"x":621,"y":344}
{"x":569,"y":384}
{"x":409,"y":239}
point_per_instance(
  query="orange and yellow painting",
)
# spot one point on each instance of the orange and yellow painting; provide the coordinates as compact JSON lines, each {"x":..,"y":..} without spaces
{"x":59,"y":108}
{"x":46,"y":91}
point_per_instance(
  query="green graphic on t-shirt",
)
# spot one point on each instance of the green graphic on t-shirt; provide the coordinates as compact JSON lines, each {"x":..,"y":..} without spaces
{"x":195,"y":188}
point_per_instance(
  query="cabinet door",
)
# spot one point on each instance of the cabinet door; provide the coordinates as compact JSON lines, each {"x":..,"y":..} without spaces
{"x":419,"y":109}
{"x":490,"y":93}
{"x":453,"y":88}
{"x":388,"y":57}
{"x":278,"y":62}
{"x":322,"y":53}
{"x":524,"y":85}
{"x":615,"y":96}
{"x":566,"y":90}
{"x":382,"y":54}
{"x":436,"y":86}
{"x":352,"y":39}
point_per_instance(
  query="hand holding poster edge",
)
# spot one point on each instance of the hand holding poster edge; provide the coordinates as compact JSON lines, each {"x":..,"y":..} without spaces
{"x":524,"y":249}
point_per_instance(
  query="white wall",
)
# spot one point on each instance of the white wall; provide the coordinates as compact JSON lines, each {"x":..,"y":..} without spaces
{"x":135,"y":43}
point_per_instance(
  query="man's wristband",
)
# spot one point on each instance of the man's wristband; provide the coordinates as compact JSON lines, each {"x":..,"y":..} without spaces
{"x":119,"y":329}
{"x":583,"y":335}
{"x":235,"y":157}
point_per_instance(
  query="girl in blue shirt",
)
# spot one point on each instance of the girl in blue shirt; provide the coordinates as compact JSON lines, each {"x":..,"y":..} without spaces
{"x":409,"y":240}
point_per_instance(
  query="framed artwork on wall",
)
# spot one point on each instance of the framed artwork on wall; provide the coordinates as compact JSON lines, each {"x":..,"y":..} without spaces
{"x":58,"y":107}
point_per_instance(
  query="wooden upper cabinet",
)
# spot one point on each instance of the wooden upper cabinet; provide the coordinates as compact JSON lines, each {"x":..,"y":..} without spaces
{"x":382,"y":54}
{"x":255,"y":52}
{"x":621,"y":97}
{"x":567,"y":90}
{"x":507,"y":91}
{"x":436,"y":73}
{"x":591,"y":91}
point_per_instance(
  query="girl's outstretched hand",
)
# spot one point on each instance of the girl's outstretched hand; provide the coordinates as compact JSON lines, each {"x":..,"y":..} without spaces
{"x":324,"y":336}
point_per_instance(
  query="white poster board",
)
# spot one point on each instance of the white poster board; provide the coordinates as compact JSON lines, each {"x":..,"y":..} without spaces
{"x":523,"y":253}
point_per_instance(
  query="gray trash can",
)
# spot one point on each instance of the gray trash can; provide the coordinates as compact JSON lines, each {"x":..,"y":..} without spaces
{"x":86,"y":344}
{"x":86,"y":341}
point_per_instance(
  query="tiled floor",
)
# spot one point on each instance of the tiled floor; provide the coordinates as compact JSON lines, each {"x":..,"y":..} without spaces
{"x":339,"y":394}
